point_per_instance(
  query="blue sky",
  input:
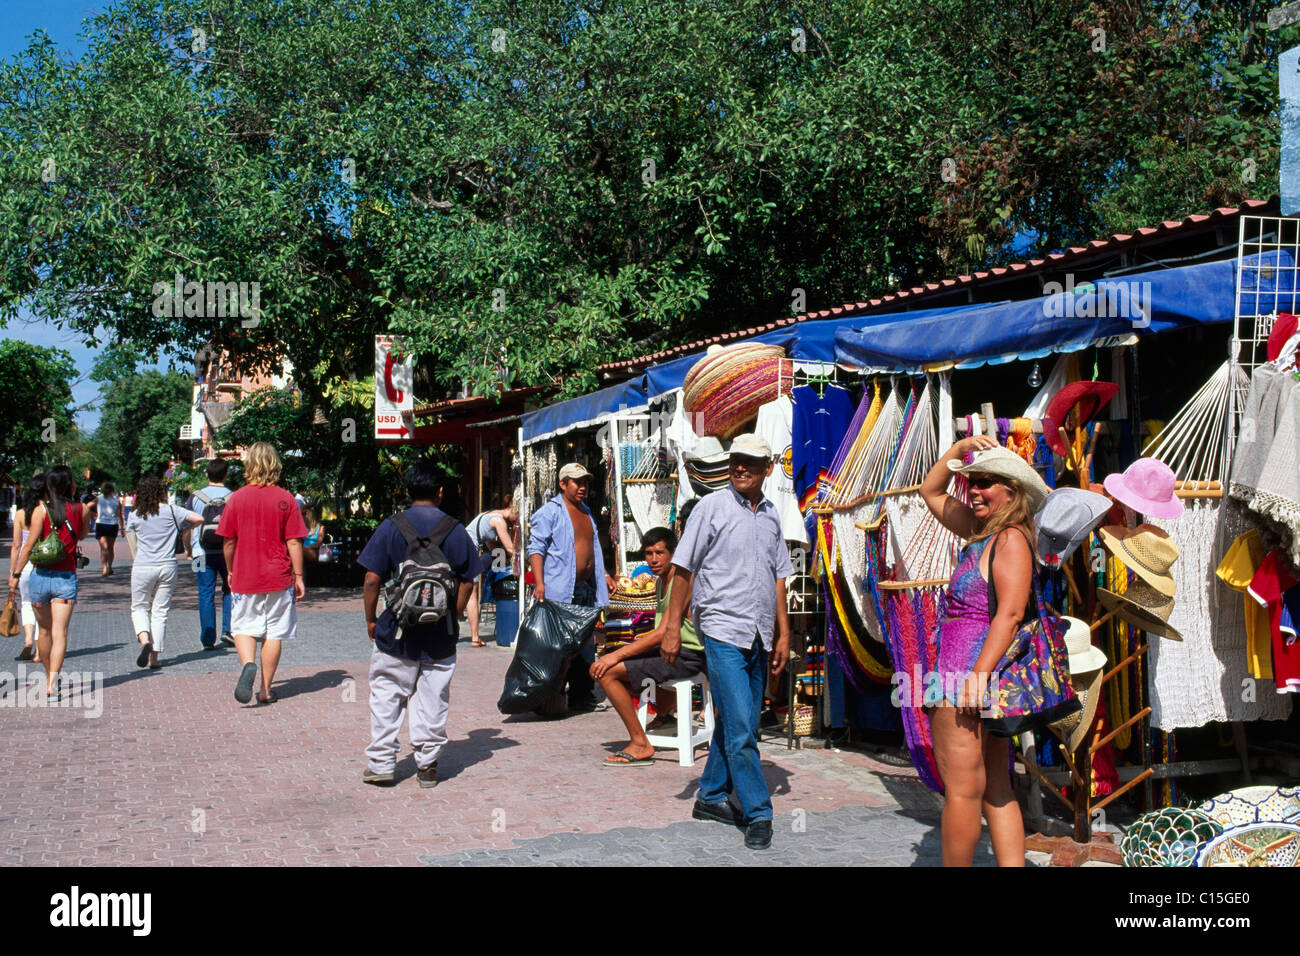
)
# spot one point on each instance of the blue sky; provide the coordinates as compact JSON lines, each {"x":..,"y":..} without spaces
{"x":61,"y":19}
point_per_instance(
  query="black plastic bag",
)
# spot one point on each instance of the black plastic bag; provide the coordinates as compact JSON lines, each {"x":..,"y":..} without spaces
{"x":550,"y":635}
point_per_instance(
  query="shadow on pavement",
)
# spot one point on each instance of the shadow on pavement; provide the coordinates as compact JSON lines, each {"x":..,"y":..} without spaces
{"x":322,"y":680}
{"x":478,"y":746}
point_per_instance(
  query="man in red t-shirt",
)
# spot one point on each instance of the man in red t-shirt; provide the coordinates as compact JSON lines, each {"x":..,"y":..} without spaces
{"x":263,"y":550}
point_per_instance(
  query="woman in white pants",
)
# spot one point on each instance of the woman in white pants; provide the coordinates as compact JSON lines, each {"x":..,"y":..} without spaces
{"x":33,"y":495}
{"x":153,"y":527}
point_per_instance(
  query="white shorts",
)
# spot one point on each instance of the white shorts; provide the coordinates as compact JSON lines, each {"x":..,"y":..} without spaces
{"x":273,"y":616}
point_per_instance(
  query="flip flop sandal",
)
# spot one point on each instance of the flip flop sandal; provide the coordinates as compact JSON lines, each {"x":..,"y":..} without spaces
{"x":155,"y":667}
{"x":478,"y":644}
{"x":267,"y":700}
{"x":244,"y":689}
{"x":145,"y":650}
{"x":627,"y":761}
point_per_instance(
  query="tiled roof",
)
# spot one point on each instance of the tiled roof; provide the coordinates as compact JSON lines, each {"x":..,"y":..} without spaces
{"x":1052,"y":261}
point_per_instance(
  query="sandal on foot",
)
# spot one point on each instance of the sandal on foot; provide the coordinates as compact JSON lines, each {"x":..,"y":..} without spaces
{"x":145,"y":650}
{"x":627,"y":761}
{"x":244,"y":689}
{"x":478,"y":643}
{"x":267,"y":700}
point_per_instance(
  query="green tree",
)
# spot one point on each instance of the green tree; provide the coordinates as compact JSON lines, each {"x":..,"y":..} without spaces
{"x":550,"y":185}
{"x":139,"y":427}
{"x":38,"y":412}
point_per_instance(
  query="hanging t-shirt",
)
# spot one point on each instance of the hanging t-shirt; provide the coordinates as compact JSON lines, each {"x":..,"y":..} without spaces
{"x":775,"y":426}
{"x":1271,"y":582}
{"x":820,"y":422}
{"x":1237,"y":570}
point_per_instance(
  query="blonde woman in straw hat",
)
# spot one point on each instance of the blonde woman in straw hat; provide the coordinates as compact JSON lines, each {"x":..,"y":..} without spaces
{"x":989,"y":642}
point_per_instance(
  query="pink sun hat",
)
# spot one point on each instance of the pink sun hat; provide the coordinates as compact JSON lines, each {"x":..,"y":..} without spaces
{"x":1147,"y":486}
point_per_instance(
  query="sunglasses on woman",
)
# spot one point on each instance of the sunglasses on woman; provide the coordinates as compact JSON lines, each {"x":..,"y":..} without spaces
{"x":984,"y":481}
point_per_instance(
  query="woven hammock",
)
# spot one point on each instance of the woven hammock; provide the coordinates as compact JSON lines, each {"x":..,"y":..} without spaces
{"x":723,"y":392}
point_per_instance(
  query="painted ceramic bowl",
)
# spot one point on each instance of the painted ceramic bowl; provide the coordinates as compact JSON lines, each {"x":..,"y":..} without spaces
{"x":1171,"y":836}
{"x":1255,"y":844}
{"x":1253,"y":805}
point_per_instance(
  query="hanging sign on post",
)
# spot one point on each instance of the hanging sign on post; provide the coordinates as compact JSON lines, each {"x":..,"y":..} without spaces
{"x":394,"y":403}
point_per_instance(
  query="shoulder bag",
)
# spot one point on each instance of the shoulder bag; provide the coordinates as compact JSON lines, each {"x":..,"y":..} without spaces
{"x":1030,"y":687}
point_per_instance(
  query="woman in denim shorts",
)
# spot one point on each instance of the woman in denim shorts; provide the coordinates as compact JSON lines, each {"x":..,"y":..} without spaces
{"x":53,"y":590}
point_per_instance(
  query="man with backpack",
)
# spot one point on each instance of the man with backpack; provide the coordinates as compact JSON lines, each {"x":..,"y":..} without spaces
{"x":426,"y":564}
{"x":210,"y":502}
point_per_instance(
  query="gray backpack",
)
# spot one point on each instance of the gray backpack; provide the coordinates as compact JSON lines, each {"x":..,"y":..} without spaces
{"x":422,"y":589}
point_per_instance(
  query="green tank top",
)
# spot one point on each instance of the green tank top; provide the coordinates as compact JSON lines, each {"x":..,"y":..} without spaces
{"x":690,"y":640}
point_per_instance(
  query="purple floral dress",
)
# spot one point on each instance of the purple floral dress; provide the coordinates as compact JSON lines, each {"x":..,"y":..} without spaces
{"x":962,"y":633}
{"x":1030,"y":687}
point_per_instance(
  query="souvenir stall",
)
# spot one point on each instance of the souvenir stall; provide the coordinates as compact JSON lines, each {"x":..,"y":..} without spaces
{"x":1155,"y":643}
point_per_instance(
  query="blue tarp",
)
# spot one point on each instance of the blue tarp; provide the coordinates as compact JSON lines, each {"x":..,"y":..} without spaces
{"x":1140,"y":304}
{"x":584,"y":410}
{"x":810,"y":341}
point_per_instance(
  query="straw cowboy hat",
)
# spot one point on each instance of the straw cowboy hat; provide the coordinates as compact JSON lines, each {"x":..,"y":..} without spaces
{"x":1146,"y":550}
{"x":1074,"y":728}
{"x":1004,"y":463}
{"x":1144,"y":607}
{"x":1147,"y":486}
{"x":1086,"y":663}
{"x":1065,"y":520}
{"x":1086,"y":399}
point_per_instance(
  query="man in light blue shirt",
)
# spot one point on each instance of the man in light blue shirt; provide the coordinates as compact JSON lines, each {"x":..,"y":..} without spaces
{"x":565,"y":558}
{"x":734,"y":559}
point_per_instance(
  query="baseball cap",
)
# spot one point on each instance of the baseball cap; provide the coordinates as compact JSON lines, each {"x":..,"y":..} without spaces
{"x":750,"y":445}
{"x":573,"y":470}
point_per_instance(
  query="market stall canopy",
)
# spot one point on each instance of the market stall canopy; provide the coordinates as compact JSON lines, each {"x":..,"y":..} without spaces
{"x":1108,"y":310}
{"x":584,"y":410}
{"x":812,"y":341}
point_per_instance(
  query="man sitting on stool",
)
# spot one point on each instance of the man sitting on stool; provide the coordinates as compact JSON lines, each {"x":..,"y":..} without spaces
{"x":622,"y":672}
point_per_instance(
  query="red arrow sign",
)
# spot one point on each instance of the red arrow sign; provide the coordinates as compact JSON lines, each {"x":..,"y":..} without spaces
{"x":401,"y":431}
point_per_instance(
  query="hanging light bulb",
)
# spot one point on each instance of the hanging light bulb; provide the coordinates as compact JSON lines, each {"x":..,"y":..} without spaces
{"x":1035,"y":377}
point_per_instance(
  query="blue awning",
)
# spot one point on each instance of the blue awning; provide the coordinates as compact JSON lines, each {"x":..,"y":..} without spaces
{"x":1108,"y":311}
{"x":584,"y":410}
{"x":810,"y":341}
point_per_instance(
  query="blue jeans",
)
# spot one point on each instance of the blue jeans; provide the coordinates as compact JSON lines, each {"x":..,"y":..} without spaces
{"x":736,"y":678}
{"x":207,"y":581}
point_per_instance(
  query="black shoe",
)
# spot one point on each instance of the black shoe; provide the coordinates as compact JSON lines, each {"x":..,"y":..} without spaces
{"x":428,"y":777}
{"x":26,"y":654}
{"x":717,"y":812}
{"x":145,"y":650}
{"x":227,"y":639}
{"x":211,"y":647}
{"x":758,"y":835}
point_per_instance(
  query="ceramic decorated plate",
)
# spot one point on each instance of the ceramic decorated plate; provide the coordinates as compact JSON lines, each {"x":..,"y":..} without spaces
{"x":1253,"y":805}
{"x":1255,"y":844}
{"x":1170,"y":836}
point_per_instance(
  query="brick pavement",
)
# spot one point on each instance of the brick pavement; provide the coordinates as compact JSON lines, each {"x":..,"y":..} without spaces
{"x":175,"y":771}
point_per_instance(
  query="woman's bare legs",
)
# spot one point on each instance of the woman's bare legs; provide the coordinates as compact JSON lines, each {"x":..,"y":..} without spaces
{"x":1006,"y":826}
{"x":959,"y":752}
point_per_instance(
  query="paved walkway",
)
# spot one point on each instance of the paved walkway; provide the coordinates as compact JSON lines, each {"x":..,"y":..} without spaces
{"x":165,"y":767}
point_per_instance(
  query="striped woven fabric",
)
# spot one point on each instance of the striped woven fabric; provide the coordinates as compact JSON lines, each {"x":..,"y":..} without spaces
{"x":723,"y":391}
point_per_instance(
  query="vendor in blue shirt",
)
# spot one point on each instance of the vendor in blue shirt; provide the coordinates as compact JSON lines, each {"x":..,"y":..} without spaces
{"x":567,"y":564}
{"x":417,"y":666}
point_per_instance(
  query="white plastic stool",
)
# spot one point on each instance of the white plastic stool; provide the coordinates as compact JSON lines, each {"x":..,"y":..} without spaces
{"x":687,"y":737}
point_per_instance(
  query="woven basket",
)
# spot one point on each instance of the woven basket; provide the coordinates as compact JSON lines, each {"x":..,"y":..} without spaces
{"x":724,"y":391}
{"x":804,"y":718}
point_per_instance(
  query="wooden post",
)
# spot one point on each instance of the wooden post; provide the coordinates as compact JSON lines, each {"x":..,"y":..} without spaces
{"x":1083,"y":794}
